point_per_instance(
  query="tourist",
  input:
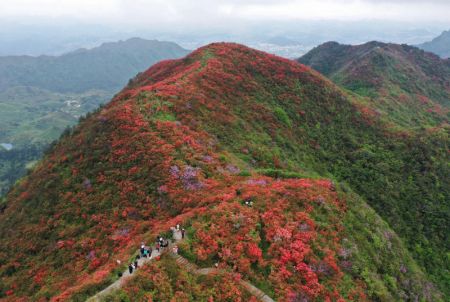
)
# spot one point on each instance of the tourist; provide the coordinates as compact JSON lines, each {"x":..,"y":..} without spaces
{"x":165,"y":243}
{"x":182,"y":233}
{"x":130,"y":268}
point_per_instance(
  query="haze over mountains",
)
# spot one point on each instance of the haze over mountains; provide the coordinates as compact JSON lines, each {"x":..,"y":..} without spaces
{"x":439,"y":45}
{"x":348,"y":203}
{"x":41,"y":96}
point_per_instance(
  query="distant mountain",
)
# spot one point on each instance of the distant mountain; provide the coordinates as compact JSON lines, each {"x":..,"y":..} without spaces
{"x":41,"y":96}
{"x":279,"y":176}
{"x":439,"y":45}
{"x":106,"y":67}
{"x":407,"y":84}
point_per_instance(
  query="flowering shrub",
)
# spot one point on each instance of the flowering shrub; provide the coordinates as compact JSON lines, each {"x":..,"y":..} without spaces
{"x":166,"y":281}
{"x":173,"y":149}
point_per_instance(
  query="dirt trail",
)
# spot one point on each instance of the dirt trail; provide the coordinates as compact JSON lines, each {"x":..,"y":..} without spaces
{"x":188,"y":266}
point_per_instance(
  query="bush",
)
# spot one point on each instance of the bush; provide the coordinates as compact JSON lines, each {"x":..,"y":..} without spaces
{"x":282,"y":116}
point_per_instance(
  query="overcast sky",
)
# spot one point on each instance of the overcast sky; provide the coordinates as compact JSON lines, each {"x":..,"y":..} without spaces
{"x":220,"y":12}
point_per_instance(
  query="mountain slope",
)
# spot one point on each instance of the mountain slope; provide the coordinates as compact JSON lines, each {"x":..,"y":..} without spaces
{"x":439,"y":45}
{"x":106,"y":67}
{"x":41,"y":96}
{"x":189,"y":141}
{"x":409,"y":86}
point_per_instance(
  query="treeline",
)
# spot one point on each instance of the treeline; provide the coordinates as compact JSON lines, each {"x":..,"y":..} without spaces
{"x":13,"y":164}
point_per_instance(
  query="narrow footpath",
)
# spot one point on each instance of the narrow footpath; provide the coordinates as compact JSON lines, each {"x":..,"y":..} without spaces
{"x":188,"y":266}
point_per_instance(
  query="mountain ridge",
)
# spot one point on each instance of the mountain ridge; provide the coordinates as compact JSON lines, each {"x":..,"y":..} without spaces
{"x":189,"y":141}
{"x":439,"y":45}
{"x":407,"y":84}
{"x":105,"y":59}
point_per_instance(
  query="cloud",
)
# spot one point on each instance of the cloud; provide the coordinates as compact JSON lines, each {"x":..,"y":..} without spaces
{"x":221,"y":12}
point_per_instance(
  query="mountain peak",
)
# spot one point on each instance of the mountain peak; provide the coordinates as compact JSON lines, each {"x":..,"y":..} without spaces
{"x":373,"y":69}
{"x":236,"y":145}
{"x":440,"y":45}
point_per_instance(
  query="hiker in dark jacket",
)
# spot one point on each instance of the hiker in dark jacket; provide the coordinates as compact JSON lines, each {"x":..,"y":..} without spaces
{"x":182,"y":233}
{"x":135,"y":264}
{"x":130,"y":268}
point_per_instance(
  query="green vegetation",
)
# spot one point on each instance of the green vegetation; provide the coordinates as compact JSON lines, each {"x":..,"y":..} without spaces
{"x":282,"y":116}
{"x":345,"y":203}
{"x":403,"y":84}
{"x":42,"y":96}
{"x":107,"y":67}
{"x":378,"y":255}
{"x":165,"y":280}
{"x":402,"y":178}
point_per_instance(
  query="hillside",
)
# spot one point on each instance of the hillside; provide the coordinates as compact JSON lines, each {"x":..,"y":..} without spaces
{"x":439,"y":45}
{"x":190,"y":141}
{"x":42,"y":96}
{"x":106,"y":67}
{"x":402,"y":83}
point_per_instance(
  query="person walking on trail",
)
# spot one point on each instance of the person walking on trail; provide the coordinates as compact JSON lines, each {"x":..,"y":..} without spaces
{"x":166,"y":243}
{"x":142,"y":248}
{"x":157,"y":246}
{"x":161,"y":243}
{"x":182,"y":233}
{"x":175,"y":250}
{"x":130,"y":268}
{"x":149,"y":252}
{"x":135,"y":264}
{"x":178,"y":227}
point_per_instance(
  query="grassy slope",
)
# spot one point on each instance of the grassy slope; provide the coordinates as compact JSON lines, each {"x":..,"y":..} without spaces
{"x":191,"y":137}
